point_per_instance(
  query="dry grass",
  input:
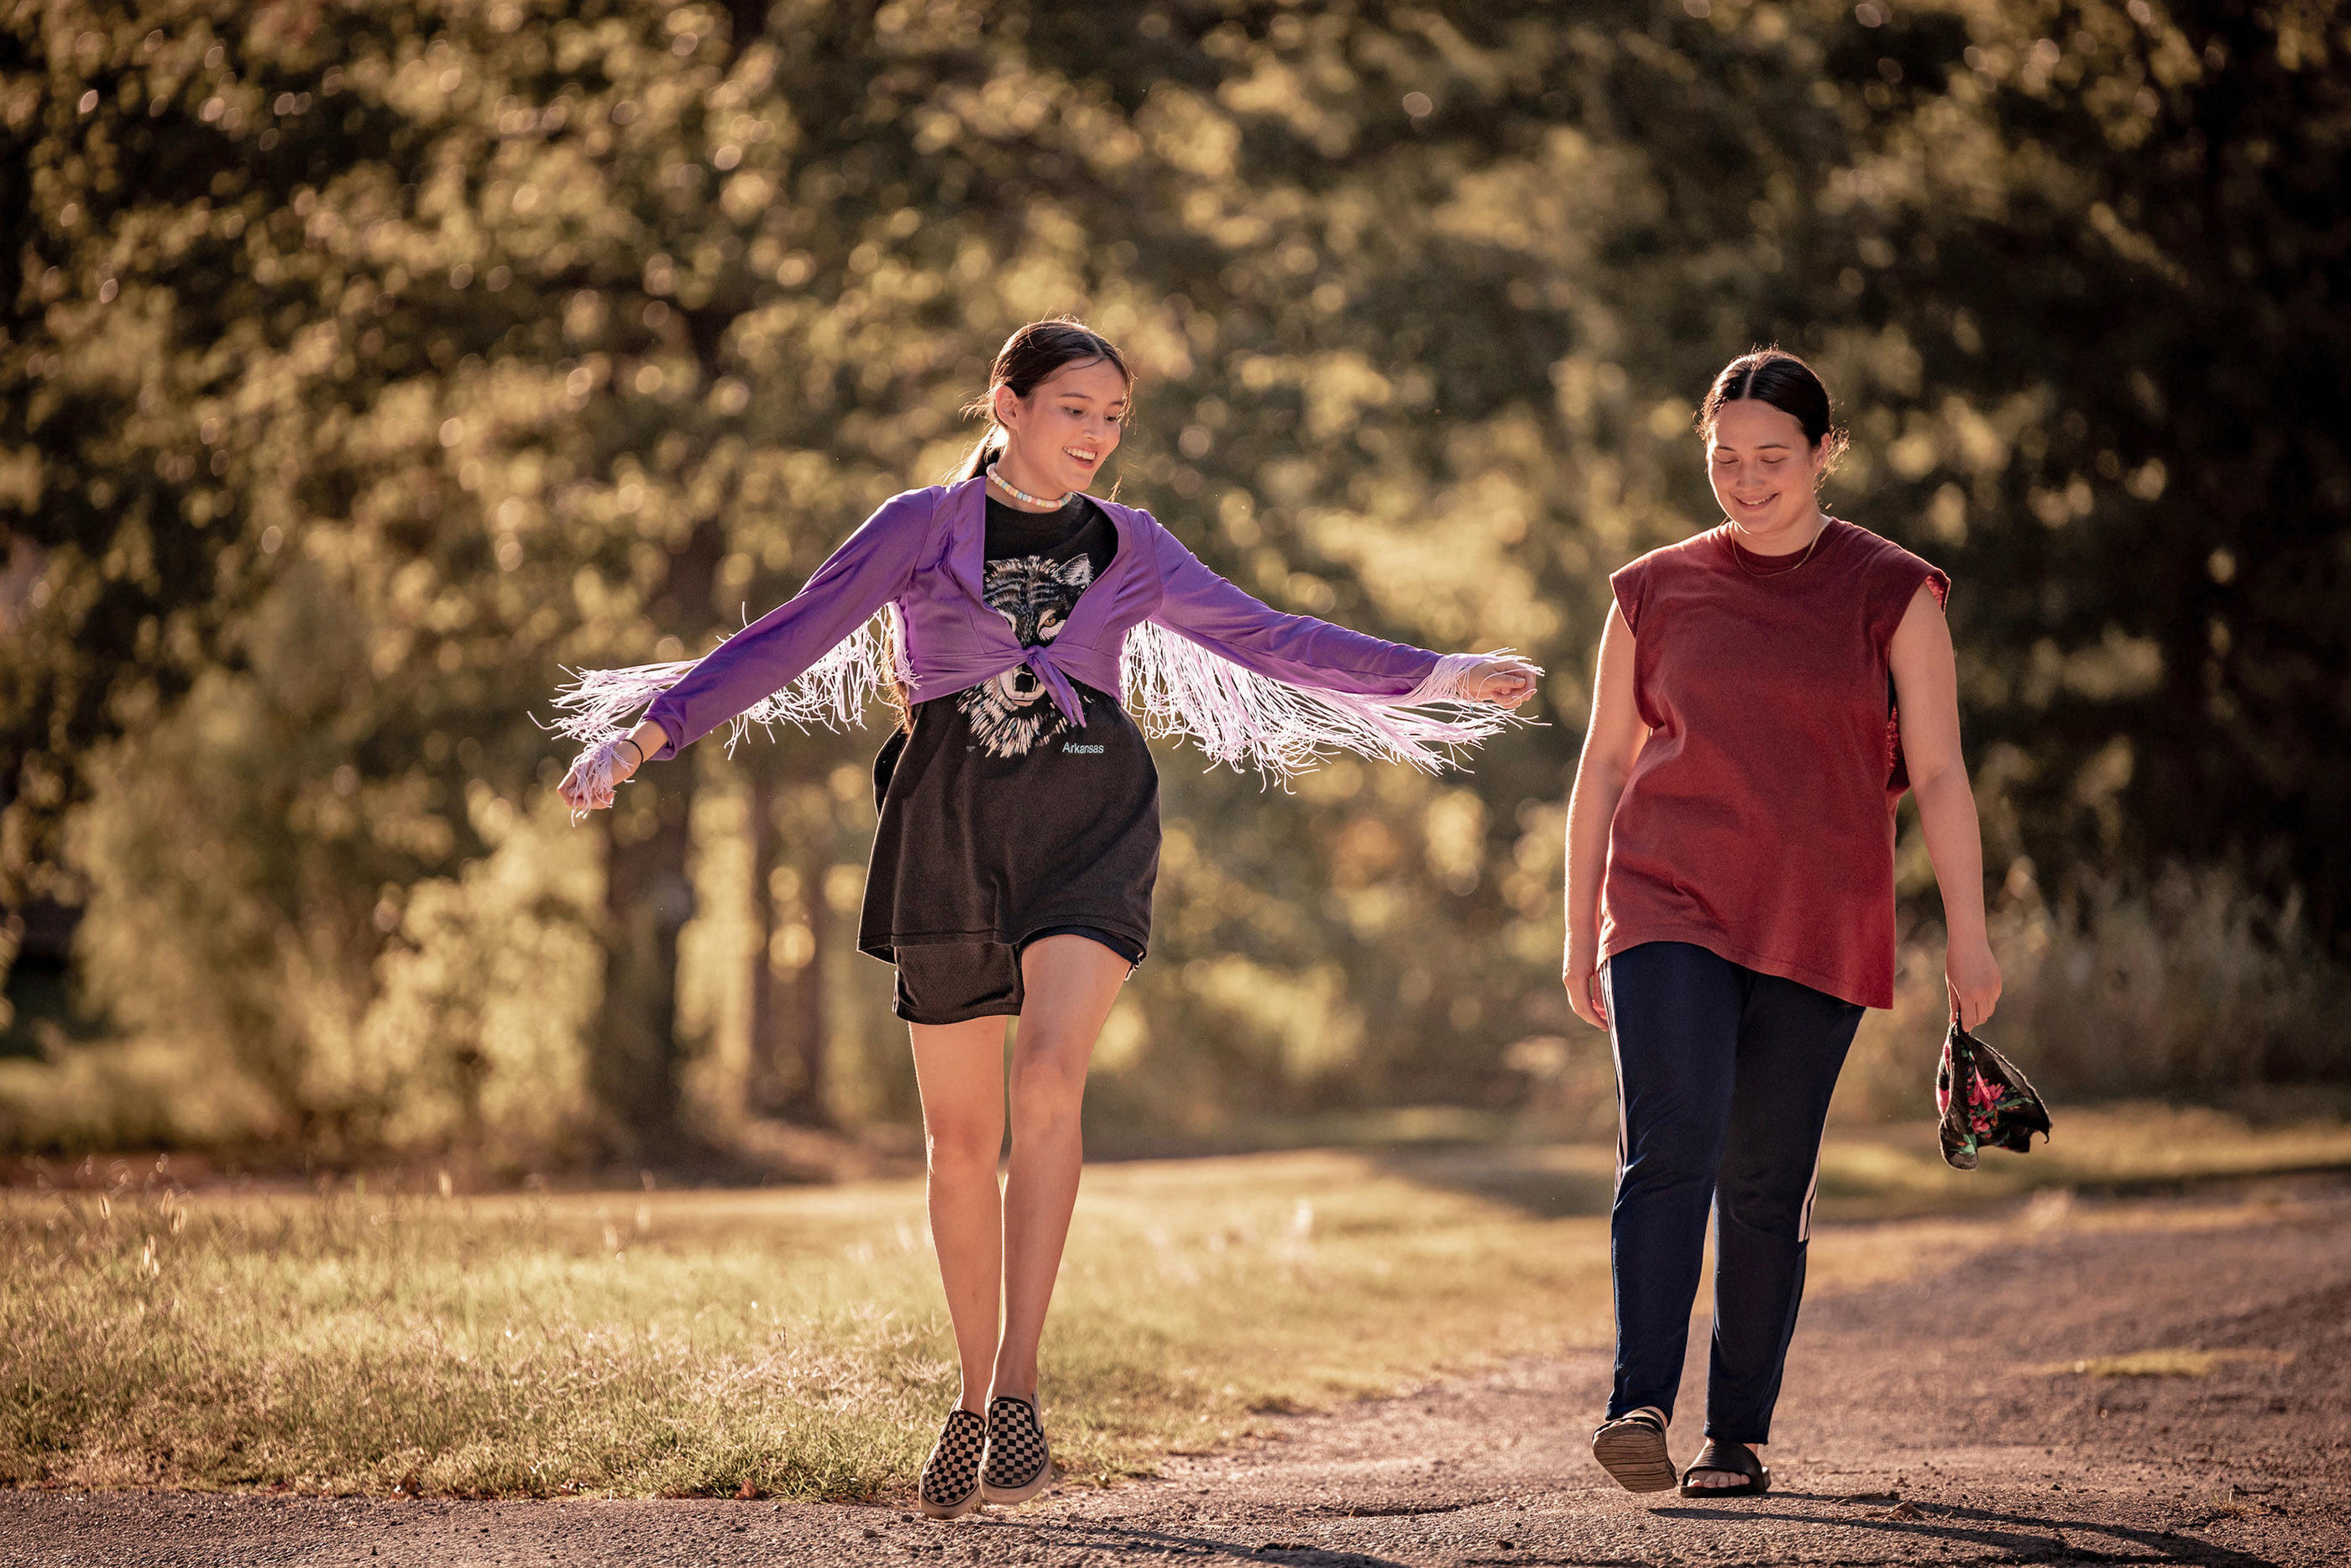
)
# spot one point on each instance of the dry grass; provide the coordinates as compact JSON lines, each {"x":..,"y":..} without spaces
{"x":694,"y":1342}
{"x":1886,"y":1172}
{"x":793,"y":1341}
{"x":2189,"y":989}
{"x":2173,"y":1362}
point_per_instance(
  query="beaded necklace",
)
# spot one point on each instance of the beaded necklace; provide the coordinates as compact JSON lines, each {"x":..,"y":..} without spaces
{"x":1018,"y":493}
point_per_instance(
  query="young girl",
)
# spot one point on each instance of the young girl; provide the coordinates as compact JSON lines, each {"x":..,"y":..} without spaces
{"x":1019,"y":809}
{"x":1767,"y":691}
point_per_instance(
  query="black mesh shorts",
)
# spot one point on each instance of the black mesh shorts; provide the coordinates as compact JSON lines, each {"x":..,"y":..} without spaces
{"x":949,"y":982}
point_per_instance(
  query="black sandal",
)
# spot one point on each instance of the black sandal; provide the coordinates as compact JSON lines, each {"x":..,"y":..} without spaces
{"x":1632,"y":1448}
{"x":1730,"y":1459}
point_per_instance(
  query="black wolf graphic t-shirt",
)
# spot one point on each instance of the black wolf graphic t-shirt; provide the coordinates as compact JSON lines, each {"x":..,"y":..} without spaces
{"x":1002,"y":822}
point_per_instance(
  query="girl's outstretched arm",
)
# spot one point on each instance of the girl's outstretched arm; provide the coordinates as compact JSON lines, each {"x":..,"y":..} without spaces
{"x":1303,"y":651}
{"x":871,"y":567}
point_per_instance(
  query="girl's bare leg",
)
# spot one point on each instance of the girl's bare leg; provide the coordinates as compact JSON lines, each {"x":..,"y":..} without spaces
{"x":1069,"y":984}
{"x":960,"y":1070}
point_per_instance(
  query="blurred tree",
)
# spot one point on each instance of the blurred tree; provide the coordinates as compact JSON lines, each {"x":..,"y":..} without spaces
{"x":2146,"y":298}
{"x":361,"y":370}
{"x":347,"y":265}
{"x":792,"y":848}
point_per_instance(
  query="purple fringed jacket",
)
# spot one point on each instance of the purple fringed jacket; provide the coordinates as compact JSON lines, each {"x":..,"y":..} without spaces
{"x":1157,"y":629}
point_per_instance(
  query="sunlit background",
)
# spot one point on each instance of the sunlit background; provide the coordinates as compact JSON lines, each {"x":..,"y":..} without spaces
{"x":364,"y":368}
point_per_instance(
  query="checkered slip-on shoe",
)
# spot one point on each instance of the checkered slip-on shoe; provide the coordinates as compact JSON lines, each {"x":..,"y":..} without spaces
{"x":1019,"y":1464}
{"x":951,"y":1475}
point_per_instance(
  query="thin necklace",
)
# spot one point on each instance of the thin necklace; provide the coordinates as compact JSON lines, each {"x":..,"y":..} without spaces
{"x":1738,"y":557}
{"x":1018,"y":493}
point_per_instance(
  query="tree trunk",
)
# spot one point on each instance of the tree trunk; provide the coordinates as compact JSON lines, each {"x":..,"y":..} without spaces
{"x":764,"y":1086}
{"x":803,"y":1000}
{"x":647,"y":900}
{"x":788,"y":1006}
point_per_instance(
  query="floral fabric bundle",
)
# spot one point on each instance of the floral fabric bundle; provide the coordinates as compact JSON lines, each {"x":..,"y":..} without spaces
{"x":1984,"y":1101}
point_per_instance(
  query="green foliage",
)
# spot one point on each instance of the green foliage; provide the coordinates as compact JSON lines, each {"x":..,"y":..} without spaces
{"x":361,"y":370}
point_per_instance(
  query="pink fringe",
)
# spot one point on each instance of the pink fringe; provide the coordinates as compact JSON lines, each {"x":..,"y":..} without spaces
{"x":598,"y":706}
{"x":1240,"y":718}
{"x":1173,"y":685}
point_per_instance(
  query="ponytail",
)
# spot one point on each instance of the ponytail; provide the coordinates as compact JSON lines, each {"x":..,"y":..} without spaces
{"x":984,"y":451}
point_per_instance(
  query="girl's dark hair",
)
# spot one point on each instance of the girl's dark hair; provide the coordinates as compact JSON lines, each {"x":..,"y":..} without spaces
{"x":1030,"y":358}
{"x":1776,"y":377}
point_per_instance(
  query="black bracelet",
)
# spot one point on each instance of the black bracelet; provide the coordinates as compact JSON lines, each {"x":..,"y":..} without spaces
{"x":637,"y":748}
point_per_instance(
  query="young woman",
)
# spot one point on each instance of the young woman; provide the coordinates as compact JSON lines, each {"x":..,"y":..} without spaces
{"x":1767,"y":691}
{"x":1020,"y":810}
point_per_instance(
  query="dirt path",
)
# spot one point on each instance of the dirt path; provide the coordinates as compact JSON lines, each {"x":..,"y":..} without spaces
{"x":1953,"y":1391}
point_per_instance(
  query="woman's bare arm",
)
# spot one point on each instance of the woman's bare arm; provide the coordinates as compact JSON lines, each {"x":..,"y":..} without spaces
{"x":1926,"y":692}
{"x":1610,"y":744}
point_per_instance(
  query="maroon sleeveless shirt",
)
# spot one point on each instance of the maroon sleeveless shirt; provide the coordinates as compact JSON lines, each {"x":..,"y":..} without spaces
{"x":1759,"y":821}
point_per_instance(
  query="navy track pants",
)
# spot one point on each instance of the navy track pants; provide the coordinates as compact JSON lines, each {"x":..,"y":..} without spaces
{"x":1723,"y":1079}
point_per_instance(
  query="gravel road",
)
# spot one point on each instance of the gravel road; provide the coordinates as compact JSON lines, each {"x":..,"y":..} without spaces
{"x":1968,"y":1414}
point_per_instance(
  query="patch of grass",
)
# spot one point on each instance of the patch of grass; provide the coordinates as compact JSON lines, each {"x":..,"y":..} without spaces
{"x":692,"y":1343}
{"x":2163,"y":1363}
{"x":793,"y":1341}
